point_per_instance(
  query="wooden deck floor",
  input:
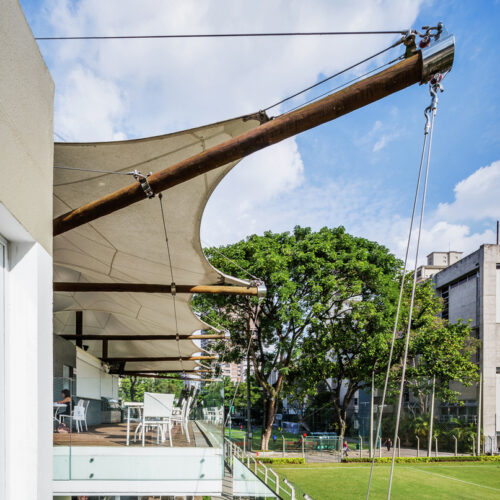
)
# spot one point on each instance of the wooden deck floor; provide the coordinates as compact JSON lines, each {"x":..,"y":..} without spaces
{"x":116,"y":435}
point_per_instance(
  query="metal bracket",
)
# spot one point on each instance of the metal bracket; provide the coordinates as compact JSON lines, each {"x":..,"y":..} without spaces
{"x":438,"y":51}
{"x":143,"y":181}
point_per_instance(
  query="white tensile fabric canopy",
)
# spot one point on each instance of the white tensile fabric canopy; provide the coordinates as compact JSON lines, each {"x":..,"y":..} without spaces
{"x":129,"y":246}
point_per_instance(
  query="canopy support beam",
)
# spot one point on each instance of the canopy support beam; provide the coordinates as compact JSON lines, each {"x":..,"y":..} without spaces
{"x":150,"y":373}
{"x":145,"y":337}
{"x":161,"y":358}
{"x":153,"y":288}
{"x":358,"y":95}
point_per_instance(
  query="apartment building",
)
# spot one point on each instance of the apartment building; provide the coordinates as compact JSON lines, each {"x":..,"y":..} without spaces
{"x":470,"y":289}
{"x":437,"y":261}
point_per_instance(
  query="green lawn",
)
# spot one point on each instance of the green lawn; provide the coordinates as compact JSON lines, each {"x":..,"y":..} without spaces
{"x":423,"y":481}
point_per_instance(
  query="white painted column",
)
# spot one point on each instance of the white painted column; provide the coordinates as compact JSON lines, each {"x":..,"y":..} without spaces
{"x":28,"y":372}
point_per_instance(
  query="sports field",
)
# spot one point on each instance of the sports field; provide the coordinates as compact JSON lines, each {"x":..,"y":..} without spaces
{"x":434,"y":481}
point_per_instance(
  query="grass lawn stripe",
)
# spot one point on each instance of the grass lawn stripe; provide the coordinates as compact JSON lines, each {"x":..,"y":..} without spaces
{"x":455,"y":479}
{"x":321,"y":484}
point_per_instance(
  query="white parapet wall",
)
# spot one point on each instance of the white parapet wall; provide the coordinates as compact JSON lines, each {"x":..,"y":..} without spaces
{"x":134,"y":470}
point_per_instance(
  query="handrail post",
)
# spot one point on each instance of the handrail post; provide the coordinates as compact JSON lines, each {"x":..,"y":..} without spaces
{"x":292,"y":489}
{"x":418,"y":446}
{"x":276,"y":481}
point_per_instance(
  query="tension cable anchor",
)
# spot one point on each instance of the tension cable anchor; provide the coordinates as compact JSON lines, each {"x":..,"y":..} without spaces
{"x":143,"y":181}
{"x":434,"y":87}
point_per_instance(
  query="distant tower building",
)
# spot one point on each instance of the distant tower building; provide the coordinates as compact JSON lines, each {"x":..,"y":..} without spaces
{"x":437,"y":261}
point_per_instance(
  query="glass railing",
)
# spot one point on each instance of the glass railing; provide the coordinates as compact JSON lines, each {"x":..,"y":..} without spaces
{"x":137,"y":429}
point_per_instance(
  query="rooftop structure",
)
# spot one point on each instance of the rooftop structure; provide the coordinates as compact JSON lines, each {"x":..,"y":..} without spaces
{"x":437,"y":261}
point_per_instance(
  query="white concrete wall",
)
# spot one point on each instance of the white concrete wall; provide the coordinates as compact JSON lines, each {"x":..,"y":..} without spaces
{"x":26,"y":131}
{"x":26,"y":164}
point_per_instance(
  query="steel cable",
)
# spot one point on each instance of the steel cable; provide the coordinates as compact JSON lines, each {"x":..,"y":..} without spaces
{"x":433,"y":109}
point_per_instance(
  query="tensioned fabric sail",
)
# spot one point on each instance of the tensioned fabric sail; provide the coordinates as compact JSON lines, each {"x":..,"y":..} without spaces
{"x":128,"y":246}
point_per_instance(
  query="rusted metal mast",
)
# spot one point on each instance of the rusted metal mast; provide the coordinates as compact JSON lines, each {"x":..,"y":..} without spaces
{"x":416,"y":68}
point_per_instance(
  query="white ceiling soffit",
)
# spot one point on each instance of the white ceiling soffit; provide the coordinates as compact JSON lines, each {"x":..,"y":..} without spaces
{"x":128,"y":246}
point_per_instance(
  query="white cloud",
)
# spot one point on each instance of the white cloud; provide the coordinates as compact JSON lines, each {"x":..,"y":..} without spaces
{"x":477,"y":197}
{"x":355,"y":204}
{"x":175,"y":84}
{"x":87,"y":99}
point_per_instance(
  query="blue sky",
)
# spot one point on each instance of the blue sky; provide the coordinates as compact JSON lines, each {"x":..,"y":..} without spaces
{"x":358,"y":171}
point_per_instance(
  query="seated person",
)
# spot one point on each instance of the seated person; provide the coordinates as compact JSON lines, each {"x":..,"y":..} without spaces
{"x":66,"y":400}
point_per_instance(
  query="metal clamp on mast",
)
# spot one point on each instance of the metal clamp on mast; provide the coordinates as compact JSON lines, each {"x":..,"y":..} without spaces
{"x":438,"y":51}
{"x":143,"y":181}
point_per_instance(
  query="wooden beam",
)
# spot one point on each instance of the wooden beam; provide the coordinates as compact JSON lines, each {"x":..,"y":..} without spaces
{"x":152,"y":288}
{"x":145,"y":337}
{"x":159,"y":358}
{"x":104,"y":349}
{"x":166,"y":377}
{"x":358,"y":95}
{"x":147,"y":373}
{"x":79,"y":328}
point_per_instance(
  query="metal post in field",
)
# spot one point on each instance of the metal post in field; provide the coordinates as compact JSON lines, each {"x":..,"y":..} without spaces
{"x":283,"y":444}
{"x":456,"y":445}
{"x":418,"y":446}
{"x":436,"y":446}
{"x":380,"y":447}
{"x":399,"y":447}
{"x":244,"y":444}
{"x":360,"y":446}
{"x":372,"y":450}
{"x":479,"y":412}
{"x":303,"y":448}
{"x":431,"y":418}
{"x":473,"y":446}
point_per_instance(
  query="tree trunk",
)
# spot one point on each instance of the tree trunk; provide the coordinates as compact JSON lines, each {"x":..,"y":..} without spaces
{"x":133,"y":382}
{"x":268,"y":421}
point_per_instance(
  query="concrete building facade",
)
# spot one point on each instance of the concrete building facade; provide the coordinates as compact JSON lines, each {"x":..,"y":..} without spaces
{"x":470,"y":289}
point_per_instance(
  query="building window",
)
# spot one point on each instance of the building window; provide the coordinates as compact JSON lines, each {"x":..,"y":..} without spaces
{"x":445,"y":292}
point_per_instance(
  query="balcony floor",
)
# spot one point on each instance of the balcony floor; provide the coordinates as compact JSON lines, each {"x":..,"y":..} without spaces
{"x":116,"y":435}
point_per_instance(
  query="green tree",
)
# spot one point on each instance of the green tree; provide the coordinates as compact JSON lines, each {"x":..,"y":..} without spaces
{"x":350,"y":340}
{"x":352,"y":343}
{"x":133,"y":388}
{"x":299,"y":270}
{"x":438,"y":350}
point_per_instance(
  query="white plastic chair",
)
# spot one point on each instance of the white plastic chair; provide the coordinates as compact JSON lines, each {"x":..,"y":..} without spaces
{"x":79,"y":415}
{"x":182,"y":418}
{"x":157,"y":413}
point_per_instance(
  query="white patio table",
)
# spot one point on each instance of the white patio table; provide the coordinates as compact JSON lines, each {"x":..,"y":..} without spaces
{"x":57,"y":407}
